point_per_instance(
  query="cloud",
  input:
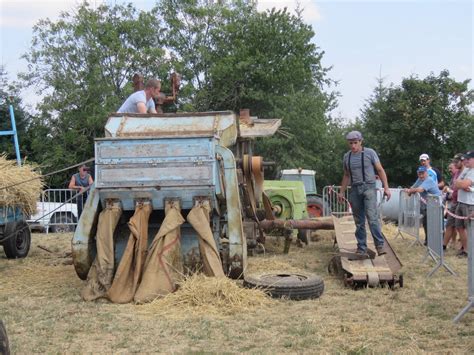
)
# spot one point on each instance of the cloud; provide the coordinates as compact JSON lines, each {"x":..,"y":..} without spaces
{"x":311,"y":11}
{"x":22,"y":14}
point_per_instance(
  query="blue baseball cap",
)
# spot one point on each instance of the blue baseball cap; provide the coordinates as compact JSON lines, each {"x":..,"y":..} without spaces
{"x":421,"y":169}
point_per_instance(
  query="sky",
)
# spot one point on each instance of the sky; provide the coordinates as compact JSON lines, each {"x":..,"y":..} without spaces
{"x":361,"y":40}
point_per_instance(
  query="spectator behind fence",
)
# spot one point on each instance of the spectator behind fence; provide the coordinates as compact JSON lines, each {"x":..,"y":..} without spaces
{"x":465,"y":185}
{"x":360,"y":166}
{"x":434,"y":173}
{"x":424,"y":185}
{"x":81,"y":182}
{"x":451,"y":191}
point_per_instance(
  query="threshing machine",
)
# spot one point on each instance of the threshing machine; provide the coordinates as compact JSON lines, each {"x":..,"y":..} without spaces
{"x":184,"y":158}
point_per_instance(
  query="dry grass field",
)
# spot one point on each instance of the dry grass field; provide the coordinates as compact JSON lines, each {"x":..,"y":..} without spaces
{"x":41,"y":306}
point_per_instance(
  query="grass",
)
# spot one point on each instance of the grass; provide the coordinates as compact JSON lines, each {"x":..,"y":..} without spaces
{"x":41,"y":306}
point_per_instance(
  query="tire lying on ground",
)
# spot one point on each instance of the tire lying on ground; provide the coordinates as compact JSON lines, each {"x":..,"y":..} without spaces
{"x":4,"y":347}
{"x":292,"y":285}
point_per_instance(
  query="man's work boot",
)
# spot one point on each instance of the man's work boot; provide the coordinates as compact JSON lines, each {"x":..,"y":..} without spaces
{"x":381,"y":249}
{"x":361,"y":255}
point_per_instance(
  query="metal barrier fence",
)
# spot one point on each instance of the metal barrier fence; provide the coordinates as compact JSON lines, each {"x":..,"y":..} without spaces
{"x":435,"y":228}
{"x":470,"y":271}
{"x":409,"y":216}
{"x":332,"y":205}
{"x":58,"y":211}
{"x":331,"y":202}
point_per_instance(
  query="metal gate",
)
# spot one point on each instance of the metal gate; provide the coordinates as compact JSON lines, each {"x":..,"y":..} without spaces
{"x":435,"y":229}
{"x":58,"y":210}
{"x":470,"y":271}
{"x":332,"y":203}
{"x":409,"y":215}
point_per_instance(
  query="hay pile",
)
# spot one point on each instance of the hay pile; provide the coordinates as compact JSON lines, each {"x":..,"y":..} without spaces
{"x":202,"y":295}
{"x":23,"y":195}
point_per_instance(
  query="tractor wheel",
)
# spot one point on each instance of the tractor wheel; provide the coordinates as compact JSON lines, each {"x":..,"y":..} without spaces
{"x":292,"y":285}
{"x":315,"y":206}
{"x":17,"y":244}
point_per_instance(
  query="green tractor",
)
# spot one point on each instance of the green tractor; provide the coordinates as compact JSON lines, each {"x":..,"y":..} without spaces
{"x":288,"y":201}
{"x":315,"y":203}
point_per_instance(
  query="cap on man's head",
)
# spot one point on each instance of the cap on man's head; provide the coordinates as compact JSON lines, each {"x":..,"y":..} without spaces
{"x":424,"y":156}
{"x":469,"y":154}
{"x":354,"y":135}
{"x":421,"y":169}
{"x":458,"y":157}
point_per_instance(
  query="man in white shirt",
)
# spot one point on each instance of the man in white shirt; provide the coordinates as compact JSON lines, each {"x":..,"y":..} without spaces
{"x":142,"y":101}
{"x":465,"y":208}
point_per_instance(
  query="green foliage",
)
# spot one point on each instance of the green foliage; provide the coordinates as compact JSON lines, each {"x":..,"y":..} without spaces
{"x":22,"y":118}
{"x":229,"y":55}
{"x":81,"y":64}
{"x":430,"y":115}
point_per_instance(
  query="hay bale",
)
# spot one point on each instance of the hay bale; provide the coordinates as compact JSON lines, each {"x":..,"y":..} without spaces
{"x":23,"y":195}
{"x":202,"y":295}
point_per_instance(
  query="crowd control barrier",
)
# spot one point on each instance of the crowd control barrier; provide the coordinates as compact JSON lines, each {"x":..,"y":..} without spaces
{"x":435,"y":227}
{"x":470,"y":271}
{"x":409,"y":216}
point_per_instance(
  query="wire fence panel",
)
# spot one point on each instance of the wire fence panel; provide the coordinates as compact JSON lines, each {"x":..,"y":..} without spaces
{"x":409,"y":215}
{"x":332,"y":203}
{"x":58,"y":210}
{"x":435,"y":228}
{"x":470,"y":271}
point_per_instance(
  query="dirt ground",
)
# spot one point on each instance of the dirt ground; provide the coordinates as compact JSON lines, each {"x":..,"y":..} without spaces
{"x":41,"y":307}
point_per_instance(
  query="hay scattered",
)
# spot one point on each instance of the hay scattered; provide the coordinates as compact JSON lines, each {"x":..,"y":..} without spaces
{"x":23,"y":195}
{"x":202,"y":295}
{"x":272,"y":263}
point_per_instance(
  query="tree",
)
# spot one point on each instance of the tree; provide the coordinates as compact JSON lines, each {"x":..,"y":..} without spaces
{"x":230,"y":55}
{"x":7,"y":98}
{"x":234,"y":57}
{"x":430,"y":115}
{"x":82,"y":64}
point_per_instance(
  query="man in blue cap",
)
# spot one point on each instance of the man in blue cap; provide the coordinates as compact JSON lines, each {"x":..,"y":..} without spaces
{"x":424,"y":185}
{"x":360,"y":166}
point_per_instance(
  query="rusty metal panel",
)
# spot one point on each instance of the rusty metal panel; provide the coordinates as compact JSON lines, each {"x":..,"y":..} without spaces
{"x":221,"y":125}
{"x":259,"y":127}
{"x":158,"y":163}
{"x":141,"y":175}
{"x":152,"y":150}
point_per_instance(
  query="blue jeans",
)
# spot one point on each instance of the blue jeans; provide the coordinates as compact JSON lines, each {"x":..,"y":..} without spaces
{"x":363,"y":199}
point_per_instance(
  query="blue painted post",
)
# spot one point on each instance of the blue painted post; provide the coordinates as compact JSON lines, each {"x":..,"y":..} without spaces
{"x":15,"y":136}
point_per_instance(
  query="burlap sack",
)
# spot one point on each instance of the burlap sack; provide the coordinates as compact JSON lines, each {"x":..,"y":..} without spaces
{"x":101,"y":272}
{"x":198,"y":217}
{"x":163,"y":265}
{"x":128,"y":275}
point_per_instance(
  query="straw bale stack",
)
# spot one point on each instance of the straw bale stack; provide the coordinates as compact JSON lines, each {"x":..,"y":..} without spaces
{"x":202,"y":295}
{"x":23,"y":195}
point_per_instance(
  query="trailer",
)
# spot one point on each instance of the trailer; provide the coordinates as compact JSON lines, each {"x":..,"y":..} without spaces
{"x":15,"y":236}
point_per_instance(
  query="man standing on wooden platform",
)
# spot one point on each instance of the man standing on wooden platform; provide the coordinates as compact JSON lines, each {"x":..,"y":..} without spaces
{"x":360,"y":166}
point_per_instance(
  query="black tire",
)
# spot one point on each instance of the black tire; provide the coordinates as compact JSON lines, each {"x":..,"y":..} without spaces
{"x":292,"y":285}
{"x":315,"y":206}
{"x":63,"y":224}
{"x":4,"y":346}
{"x":18,"y":242}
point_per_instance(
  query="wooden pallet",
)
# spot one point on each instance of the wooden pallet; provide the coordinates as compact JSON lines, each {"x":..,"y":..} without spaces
{"x":376,"y":269}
